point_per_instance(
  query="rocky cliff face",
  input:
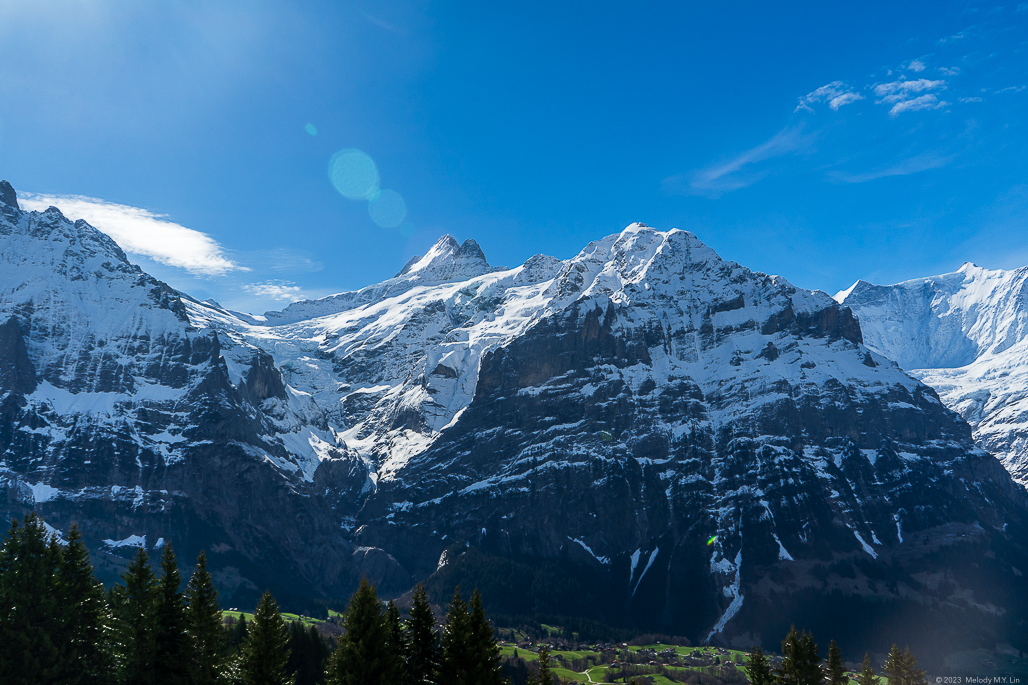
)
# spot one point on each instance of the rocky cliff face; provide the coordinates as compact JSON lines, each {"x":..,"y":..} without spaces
{"x":565,"y":435}
{"x":966,"y":335}
{"x":118,"y":413}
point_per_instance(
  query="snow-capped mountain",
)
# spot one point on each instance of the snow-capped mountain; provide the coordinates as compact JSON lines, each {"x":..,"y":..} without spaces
{"x":579,"y":429}
{"x":966,"y":335}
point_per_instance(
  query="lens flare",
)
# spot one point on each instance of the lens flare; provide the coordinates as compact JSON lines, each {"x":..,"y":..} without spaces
{"x":387,"y":208}
{"x":354,"y":174}
{"x":311,"y":129}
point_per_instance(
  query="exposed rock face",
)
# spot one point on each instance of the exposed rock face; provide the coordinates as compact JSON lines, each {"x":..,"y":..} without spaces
{"x":966,"y":335}
{"x":118,"y":413}
{"x":566,"y":435}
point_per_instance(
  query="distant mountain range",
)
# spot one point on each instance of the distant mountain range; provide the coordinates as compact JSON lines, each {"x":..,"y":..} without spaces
{"x":566,"y":435}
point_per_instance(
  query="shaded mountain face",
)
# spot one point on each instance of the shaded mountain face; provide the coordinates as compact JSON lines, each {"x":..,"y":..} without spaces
{"x":566,"y":435}
{"x":118,"y":413}
{"x":966,"y":335}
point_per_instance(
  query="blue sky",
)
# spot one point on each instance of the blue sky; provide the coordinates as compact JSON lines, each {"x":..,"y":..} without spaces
{"x":825,"y":142}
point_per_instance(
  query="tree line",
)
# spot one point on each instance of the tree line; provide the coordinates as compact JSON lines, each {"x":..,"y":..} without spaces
{"x":801,"y":664}
{"x":58,"y":625}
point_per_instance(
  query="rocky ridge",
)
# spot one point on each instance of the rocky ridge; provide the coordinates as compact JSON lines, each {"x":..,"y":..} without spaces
{"x":579,"y":428}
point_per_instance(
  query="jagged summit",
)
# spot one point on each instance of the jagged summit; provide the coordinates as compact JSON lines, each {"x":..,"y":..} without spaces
{"x":8,"y":196}
{"x":448,"y":260}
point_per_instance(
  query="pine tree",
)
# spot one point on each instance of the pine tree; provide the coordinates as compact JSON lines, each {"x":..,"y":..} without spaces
{"x":237,"y":634}
{"x":134,"y":606}
{"x":835,"y":672}
{"x":456,"y":657}
{"x":894,"y":668}
{"x":203,"y":625}
{"x":170,"y":624}
{"x":422,"y":641}
{"x":29,"y":563}
{"x":363,"y":655}
{"x":308,"y":654}
{"x":264,"y":652}
{"x":867,"y":673}
{"x":484,"y":651}
{"x":396,"y":644}
{"x":85,"y":621}
{"x":758,"y":670}
{"x":801,"y":664}
{"x":912,"y":675}
{"x":545,"y":675}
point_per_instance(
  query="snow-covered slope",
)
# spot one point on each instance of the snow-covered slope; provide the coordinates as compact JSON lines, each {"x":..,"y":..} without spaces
{"x":583,"y":426}
{"x":966,"y":335}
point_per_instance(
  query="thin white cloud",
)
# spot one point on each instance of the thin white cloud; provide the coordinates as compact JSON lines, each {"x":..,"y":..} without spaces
{"x":974,"y":99}
{"x":913,"y":165}
{"x":1011,"y":89}
{"x":950,"y":71}
{"x":282,"y":291}
{"x":897,"y":91}
{"x":836,"y":94}
{"x":916,"y":65}
{"x":142,"y":232}
{"x":928,"y":101}
{"x":732,"y":175}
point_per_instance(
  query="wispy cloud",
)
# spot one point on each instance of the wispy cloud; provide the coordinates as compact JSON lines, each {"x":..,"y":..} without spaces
{"x":974,"y":99}
{"x":1011,"y":89}
{"x":928,"y":101}
{"x":836,"y":94}
{"x":914,"y":165}
{"x":142,"y":232}
{"x":282,"y":291}
{"x":916,"y":65}
{"x":949,"y":71}
{"x":903,"y":95}
{"x":736,"y":173}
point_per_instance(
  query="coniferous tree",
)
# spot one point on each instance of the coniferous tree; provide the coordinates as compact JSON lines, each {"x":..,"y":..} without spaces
{"x":308,"y":654}
{"x":835,"y":672}
{"x":422,"y":641}
{"x":912,"y":675}
{"x":894,"y":668}
{"x":484,"y":651}
{"x":456,"y":657}
{"x":171,"y":635}
{"x":363,"y":654}
{"x":801,"y":664}
{"x":545,"y":675}
{"x":758,"y":670}
{"x":29,"y":562}
{"x":203,"y":625}
{"x":396,"y":644}
{"x":867,"y":673}
{"x":85,"y":621}
{"x":265,"y":652}
{"x":134,"y":606}
{"x":237,"y":633}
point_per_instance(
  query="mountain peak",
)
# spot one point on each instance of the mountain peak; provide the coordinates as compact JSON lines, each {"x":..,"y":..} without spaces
{"x":7,"y":195}
{"x":448,"y":260}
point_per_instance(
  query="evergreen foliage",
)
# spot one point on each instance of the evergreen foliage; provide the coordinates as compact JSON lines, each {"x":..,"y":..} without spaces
{"x":29,"y":610}
{"x":900,"y":668}
{"x":801,"y":663}
{"x":364,"y":654}
{"x":455,"y":643}
{"x":265,"y":652}
{"x":758,"y":670}
{"x":395,"y":643}
{"x":133,"y":605}
{"x":308,"y":654}
{"x":83,"y":632}
{"x":545,"y":675}
{"x":835,"y":672}
{"x":207,"y":638}
{"x":867,"y":673}
{"x":484,"y":650}
{"x":422,"y":647}
{"x":171,"y":639}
